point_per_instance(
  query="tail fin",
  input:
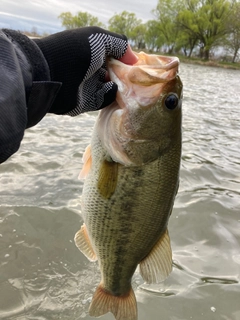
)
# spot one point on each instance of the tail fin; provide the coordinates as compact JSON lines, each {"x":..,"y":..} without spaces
{"x":122,"y":307}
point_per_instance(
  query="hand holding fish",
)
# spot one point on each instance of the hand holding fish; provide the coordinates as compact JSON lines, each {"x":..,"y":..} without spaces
{"x":77,"y":58}
{"x":64,"y":73}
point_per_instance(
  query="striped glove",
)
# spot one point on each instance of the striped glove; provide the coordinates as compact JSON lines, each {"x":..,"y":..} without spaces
{"x":77,"y":59}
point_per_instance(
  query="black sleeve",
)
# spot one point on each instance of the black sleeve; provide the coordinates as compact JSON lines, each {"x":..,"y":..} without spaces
{"x":26,"y":92}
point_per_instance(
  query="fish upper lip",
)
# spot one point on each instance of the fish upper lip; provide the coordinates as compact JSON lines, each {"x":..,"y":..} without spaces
{"x":168,"y":66}
{"x":173,"y":63}
{"x":163,"y":68}
{"x":170,"y":63}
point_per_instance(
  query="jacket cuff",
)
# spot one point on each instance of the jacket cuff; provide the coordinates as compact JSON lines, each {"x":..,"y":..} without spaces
{"x":40,"y":90}
{"x":40,"y":70}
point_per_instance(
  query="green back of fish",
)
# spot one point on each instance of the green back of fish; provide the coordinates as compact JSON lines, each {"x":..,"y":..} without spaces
{"x":126,"y":223}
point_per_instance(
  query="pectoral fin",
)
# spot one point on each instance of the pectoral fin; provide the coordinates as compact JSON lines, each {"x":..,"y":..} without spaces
{"x":107,"y":180}
{"x":158,"y":263}
{"x":87,"y":162}
{"x":83,"y":243}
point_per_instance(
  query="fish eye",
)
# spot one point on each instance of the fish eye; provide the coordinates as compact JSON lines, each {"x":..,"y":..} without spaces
{"x":171,"y":101}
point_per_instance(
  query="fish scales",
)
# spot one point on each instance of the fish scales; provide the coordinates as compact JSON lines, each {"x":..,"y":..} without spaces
{"x":131,"y":182}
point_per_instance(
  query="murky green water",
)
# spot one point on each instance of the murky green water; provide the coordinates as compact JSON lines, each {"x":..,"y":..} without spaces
{"x":43,"y":276}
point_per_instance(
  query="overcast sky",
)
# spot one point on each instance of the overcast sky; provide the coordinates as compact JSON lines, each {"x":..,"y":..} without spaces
{"x":43,"y":14}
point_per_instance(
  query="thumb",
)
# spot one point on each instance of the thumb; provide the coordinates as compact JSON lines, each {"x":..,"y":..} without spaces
{"x":129,"y":57}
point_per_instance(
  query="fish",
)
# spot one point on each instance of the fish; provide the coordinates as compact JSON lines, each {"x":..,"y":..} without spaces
{"x":131,"y":171}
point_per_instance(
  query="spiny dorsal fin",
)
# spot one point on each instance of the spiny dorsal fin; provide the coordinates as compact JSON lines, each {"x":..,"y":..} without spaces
{"x":158,"y":264}
{"x":83,"y":243}
{"x":107,"y":180}
{"x":122,"y":307}
{"x":87,"y":162}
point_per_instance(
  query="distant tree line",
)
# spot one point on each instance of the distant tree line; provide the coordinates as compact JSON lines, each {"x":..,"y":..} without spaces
{"x":34,"y":33}
{"x":180,"y":26}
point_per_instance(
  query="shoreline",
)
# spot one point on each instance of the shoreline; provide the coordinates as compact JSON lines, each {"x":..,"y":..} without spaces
{"x":198,"y":61}
{"x":210,"y":63}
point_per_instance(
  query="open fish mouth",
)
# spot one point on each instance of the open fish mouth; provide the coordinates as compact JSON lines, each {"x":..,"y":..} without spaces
{"x":161,"y":67}
{"x":143,"y":81}
{"x":149,"y":70}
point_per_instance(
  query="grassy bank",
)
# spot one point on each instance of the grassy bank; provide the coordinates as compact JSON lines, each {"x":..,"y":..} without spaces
{"x":210,"y":63}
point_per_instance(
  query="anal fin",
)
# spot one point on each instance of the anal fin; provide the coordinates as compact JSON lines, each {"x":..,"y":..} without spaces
{"x":83,"y":243}
{"x":158,"y":263}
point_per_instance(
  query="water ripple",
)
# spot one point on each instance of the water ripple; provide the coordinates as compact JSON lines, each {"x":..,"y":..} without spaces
{"x":44,"y":276}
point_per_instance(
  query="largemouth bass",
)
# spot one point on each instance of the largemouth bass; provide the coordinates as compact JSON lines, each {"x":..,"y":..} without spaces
{"x":131,"y":172}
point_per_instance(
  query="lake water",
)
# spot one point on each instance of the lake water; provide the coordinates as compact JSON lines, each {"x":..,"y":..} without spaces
{"x":43,"y":276}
